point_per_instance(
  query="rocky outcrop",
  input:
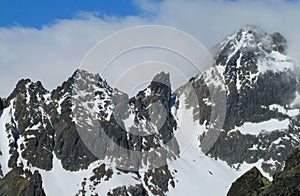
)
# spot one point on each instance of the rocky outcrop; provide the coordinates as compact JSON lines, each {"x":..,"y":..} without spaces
{"x":21,"y":183}
{"x":30,"y":130}
{"x":286,"y":182}
{"x":137,"y":190}
{"x":248,"y":184}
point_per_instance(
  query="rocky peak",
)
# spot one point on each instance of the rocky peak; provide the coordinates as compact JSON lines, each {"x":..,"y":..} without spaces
{"x":163,"y":78}
{"x":30,"y":131}
{"x":258,"y":75}
{"x":29,"y":89}
{"x":92,"y":90}
{"x":81,"y":80}
{"x":79,"y":91}
{"x":153,"y":104}
{"x":80,"y":74}
{"x":161,"y":85}
{"x":253,"y":38}
{"x":251,"y":52}
{"x":254,"y":61}
{"x":285,"y":182}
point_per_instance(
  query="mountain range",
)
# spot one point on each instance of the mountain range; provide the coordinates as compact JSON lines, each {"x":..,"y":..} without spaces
{"x":237,"y":122}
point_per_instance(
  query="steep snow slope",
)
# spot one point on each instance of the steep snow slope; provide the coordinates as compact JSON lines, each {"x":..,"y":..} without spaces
{"x":4,"y":143}
{"x":195,"y":172}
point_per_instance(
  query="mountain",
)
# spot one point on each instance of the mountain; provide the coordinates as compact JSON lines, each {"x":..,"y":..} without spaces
{"x":261,"y":122}
{"x":86,"y":138}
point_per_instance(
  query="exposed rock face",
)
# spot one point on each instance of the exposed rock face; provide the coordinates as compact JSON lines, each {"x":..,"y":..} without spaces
{"x":160,"y":89}
{"x":129,"y":123}
{"x":286,"y":182}
{"x":257,"y":73}
{"x":248,"y":184}
{"x":45,"y":124}
{"x":30,"y":129}
{"x":68,"y":145}
{"x":19,"y":182}
{"x":160,"y":180}
{"x":1,"y":107}
{"x":293,"y":160}
{"x":136,"y":190}
{"x":34,"y":187}
{"x":260,"y":87}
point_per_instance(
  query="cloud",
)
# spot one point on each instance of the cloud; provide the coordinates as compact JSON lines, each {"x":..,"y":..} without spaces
{"x":52,"y":53}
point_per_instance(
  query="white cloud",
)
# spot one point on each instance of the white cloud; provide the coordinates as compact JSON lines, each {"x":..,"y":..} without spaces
{"x":52,"y":53}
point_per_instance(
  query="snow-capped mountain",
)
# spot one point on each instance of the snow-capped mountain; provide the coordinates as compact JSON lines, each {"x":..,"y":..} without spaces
{"x":86,"y":138}
{"x":261,"y":120}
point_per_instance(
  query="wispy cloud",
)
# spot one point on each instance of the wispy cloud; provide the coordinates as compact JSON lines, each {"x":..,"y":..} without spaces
{"x":53,"y":52}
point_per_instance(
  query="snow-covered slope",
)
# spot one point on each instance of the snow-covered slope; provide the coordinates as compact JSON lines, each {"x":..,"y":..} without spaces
{"x":4,"y":143}
{"x":197,"y":173}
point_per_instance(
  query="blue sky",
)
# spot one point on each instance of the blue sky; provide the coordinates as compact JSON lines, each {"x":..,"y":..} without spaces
{"x":36,"y":13}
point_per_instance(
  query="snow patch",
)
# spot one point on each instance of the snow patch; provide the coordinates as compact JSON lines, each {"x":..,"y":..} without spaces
{"x":266,"y":126}
{"x":281,"y":109}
